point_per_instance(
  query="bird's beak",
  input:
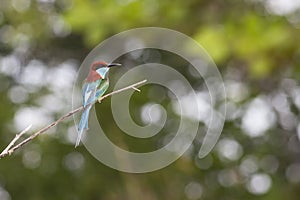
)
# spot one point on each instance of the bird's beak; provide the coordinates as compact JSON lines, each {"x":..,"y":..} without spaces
{"x":114,"y":64}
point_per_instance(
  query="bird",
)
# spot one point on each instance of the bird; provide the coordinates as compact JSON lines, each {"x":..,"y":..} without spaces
{"x":95,"y":85}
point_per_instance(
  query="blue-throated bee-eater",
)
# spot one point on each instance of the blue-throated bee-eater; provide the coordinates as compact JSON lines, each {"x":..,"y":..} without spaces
{"x":94,"y":87}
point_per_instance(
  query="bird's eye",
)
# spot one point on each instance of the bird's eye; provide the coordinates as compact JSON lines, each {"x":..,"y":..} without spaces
{"x":98,"y":66}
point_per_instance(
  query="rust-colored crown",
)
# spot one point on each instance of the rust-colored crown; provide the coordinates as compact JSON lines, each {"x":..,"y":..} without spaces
{"x":98,"y":64}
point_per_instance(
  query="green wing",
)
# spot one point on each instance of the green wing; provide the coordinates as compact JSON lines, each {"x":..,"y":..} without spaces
{"x":102,"y":88}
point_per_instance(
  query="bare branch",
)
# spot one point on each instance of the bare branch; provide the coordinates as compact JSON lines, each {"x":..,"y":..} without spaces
{"x":6,"y":150}
{"x":11,"y":147}
{"x":136,"y":89}
{"x":121,"y":90}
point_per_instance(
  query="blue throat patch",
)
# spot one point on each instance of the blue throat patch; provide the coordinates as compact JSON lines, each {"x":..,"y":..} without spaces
{"x":102,"y":71}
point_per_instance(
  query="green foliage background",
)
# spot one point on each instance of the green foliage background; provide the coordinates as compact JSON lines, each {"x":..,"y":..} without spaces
{"x":249,"y":43}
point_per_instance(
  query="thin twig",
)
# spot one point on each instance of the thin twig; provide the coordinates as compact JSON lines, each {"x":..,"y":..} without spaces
{"x":136,"y":89}
{"x":16,"y":138}
{"x":11,"y":147}
{"x":121,"y":90}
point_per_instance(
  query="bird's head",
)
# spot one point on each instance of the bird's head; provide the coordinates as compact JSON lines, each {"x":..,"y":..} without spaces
{"x":102,"y":67}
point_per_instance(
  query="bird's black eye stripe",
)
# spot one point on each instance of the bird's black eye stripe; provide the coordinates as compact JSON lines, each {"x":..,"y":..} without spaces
{"x":100,"y":66}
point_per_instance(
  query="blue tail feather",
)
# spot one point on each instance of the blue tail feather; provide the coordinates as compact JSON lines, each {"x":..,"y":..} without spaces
{"x":83,"y":124}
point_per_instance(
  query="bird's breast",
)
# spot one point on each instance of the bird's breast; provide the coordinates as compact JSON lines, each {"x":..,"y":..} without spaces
{"x":93,"y":76}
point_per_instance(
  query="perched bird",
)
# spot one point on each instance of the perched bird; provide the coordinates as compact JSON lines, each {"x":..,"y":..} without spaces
{"x":94,"y":87}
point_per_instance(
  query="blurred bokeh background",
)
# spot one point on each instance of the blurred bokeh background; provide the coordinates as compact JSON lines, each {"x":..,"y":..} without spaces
{"x":256,"y":46}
